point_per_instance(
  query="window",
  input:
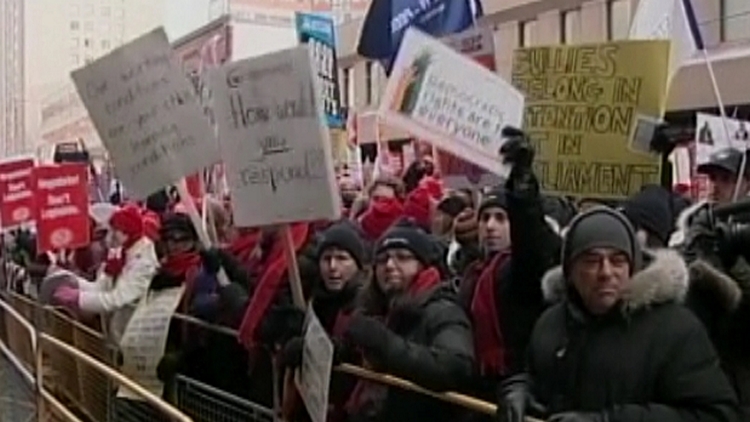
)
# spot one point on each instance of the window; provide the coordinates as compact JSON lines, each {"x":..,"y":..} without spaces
{"x":368,"y":83}
{"x":88,"y":60}
{"x":735,"y":19}
{"x":526,"y":31}
{"x":75,"y":25}
{"x":618,"y":19}
{"x":87,"y":42}
{"x":89,"y":26}
{"x":570,"y":26}
{"x":74,"y":42}
{"x":89,"y":10}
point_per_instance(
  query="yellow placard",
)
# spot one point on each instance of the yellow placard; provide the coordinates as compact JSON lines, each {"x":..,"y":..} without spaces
{"x":583,"y":104}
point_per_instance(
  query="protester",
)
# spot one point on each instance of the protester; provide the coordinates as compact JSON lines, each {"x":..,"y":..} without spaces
{"x":617,"y":345}
{"x":723,"y":170}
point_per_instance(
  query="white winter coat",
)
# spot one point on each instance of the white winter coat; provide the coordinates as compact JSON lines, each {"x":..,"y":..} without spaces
{"x":116,"y":301}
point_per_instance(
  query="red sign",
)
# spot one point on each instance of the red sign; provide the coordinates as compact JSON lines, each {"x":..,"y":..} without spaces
{"x":16,"y":193}
{"x":62,"y":219}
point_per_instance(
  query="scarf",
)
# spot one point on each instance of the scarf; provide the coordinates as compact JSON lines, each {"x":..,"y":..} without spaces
{"x":367,"y":396}
{"x":243,"y":246}
{"x":181,"y":264}
{"x":271,"y":279}
{"x":488,"y":338}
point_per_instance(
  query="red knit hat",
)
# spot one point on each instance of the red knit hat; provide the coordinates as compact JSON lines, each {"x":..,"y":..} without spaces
{"x":418,"y":206}
{"x":128,"y":220}
{"x":151,"y":225}
{"x":380,"y":216}
{"x":433,"y":186}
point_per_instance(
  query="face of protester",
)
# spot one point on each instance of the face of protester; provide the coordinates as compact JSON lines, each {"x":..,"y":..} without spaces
{"x":494,"y":229}
{"x":337,"y":268}
{"x":116,"y":238}
{"x":348,"y":192}
{"x":600,"y":277}
{"x":723,"y":184}
{"x":383,"y":191}
{"x":395,"y":269}
{"x":177,"y":242}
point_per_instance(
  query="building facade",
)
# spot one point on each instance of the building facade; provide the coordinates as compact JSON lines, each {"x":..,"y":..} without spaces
{"x":12,"y":92}
{"x":725,"y":25}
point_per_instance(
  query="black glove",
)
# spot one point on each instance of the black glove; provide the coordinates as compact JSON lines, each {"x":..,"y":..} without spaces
{"x":579,"y":417}
{"x":291,"y":356}
{"x":211,"y":259}
{"x":281,"y":323}
{"x":515,"y":400}
{"x":168,"y":366}
{"x":517,"y":149}
{"x":368,"y":333}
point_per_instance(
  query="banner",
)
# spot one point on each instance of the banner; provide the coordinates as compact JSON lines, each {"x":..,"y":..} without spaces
{"x":147,"y":114}
{"x":583,"y":105}
{"x":710,"y":136}
{"x":16,"y":193}
{"x":62,"y":204}
{"x":320,"y":33}
{"x":442,"y":97}
{"x":274,"y":140}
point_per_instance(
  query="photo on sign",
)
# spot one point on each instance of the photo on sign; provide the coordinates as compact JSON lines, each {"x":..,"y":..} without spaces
{"x":410,"y":83}
{"x":645,"y":128}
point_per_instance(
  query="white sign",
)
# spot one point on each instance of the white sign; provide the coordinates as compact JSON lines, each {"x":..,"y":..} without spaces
{"x":145,"y":338}
{"x":147,"y":114}
{"x":710,"y":136}
{"x":443,"y":97}
{"x":477,"y":42}
{"x":314,"y":376}
{"x":274,"y":140}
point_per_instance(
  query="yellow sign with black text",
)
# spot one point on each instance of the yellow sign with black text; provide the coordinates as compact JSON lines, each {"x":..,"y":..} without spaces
{"x":583,"y":105}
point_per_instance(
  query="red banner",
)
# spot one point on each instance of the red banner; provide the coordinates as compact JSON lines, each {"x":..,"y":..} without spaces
{"x":16,"y":193}
{"x":62,"y":219}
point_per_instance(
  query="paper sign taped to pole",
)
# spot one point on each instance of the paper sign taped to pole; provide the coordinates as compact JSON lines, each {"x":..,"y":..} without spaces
{"x":710,"y":136}
{"x":449,"y":100}
{"x":314,"y":376}
{"x":583,"y":105}
{"x":274,"y":140}
{"x":147,"y":114}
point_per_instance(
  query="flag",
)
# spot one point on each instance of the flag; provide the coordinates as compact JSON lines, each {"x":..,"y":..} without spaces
{"x":672,"y":20}
{"x":387,"y":20}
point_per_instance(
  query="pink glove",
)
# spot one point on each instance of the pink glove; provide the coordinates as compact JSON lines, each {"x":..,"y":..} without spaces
{"x":67,"y":296}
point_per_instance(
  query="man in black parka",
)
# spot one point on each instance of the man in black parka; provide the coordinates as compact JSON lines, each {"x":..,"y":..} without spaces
{"x":617,"y":346}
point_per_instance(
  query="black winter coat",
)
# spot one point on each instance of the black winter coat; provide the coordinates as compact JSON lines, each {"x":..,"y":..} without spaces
{"x":430,"y":343}
{"x":650,"y":360}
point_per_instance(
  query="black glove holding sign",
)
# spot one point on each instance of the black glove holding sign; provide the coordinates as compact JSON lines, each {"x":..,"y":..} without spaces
{"x":518,"y":152}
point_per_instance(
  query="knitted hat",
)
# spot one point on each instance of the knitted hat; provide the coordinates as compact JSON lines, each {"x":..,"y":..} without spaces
{"x":411,"y":238}
{"x":128,"y":220}
{"x":380,"y":216}
{"x":343,"y":236}
{"x":600,"y":227}
{"x":497,"y":197}
{"x":178,"y":223}
{"x":649,"y":209}
{"x":417,"y":207}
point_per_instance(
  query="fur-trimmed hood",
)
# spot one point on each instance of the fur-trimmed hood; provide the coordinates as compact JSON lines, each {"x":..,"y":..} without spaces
{"x":665,"y":278}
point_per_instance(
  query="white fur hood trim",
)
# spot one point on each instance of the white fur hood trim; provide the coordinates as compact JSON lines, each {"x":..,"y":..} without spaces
{"x":664,"y":279}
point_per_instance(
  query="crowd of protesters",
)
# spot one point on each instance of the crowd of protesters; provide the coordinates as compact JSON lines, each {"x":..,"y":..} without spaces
{"x":616,"y":312}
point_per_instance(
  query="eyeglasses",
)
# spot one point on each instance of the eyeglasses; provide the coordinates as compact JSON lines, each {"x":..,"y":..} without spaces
{"x":398,"y":257}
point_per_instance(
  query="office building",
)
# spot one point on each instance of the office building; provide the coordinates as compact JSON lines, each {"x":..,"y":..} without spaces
{"x":12,"y":92}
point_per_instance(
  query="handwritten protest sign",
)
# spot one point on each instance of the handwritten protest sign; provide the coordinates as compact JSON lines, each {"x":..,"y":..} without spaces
{"x":145,"y":338}
{"x":710,"y":136}
{"x":320,"y":33}
{"x":62,"y":206}
{"x":274,"y":140}
{"x":16,"y":192}
{"x":314,"y":376}
{"x":449,"y":100}
{"x":582,"y":106}
{"x":147,"y":114}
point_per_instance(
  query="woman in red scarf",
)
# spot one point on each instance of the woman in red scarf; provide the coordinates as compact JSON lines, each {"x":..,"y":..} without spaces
{"x":409,"y":326}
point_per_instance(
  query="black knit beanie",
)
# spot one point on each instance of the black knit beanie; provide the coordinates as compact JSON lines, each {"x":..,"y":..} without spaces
{"x":344,"y":236}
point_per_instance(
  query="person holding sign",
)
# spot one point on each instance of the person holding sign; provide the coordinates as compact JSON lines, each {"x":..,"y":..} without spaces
{"x":410,"y":326}
{"x":123,"y":279}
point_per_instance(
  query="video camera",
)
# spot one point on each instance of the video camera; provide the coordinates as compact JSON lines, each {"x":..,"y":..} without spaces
{"x":728,"y":226}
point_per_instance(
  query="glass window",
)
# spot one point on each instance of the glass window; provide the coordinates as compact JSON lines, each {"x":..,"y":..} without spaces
{"x":89,"y":10}
{"x":368,"y":83}
{"x":75,"y":25}
{"x":735,"y":17}
{"x":618,"y":19}
{"x":526,"y":30}
{"x":87,"y":42}
{"x":89,"y":26}
{"x":570,"y":28}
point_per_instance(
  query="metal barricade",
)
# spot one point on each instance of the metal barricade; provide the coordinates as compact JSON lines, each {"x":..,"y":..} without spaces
{"x":207,"y":404}
{"x":17,"y":389}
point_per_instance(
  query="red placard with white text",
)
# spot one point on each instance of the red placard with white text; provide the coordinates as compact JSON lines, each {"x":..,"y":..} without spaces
{"x":16,"y":193}
{"x":62,"y":218}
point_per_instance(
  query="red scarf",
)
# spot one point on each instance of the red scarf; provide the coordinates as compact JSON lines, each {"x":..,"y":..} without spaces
{"x":488,"y":338}
{"x":181,"y":264}
{"x":243,"y":246}
{"x":271,"y":280}
{"x":114,"y":263}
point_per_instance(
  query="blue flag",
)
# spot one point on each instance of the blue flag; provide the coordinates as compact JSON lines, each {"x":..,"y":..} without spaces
{"x":387,"y":20}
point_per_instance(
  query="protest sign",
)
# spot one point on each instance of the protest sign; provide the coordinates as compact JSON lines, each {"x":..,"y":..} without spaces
{"x":274,"y":140}
{"x":147,"y":114}
{"x":477,"y":43}
{"x":16,"y":193}
{"x":314,"y":376}
{"x":62,"y":206}
{"x":582,"y":106}
{"x":449,"y":100}
{"x":145,"y":338}
{"x":710,"y":136}
{"x":320,"y":33}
